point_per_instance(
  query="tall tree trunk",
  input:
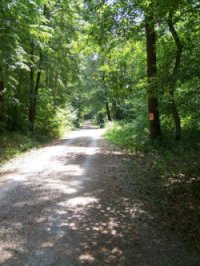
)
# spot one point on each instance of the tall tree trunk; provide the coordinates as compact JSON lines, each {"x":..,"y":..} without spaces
{"x":105,"y":95}
{"x":34,"y":89}
{"x":16,"y":107}
{"x":54,"y":88}
{"x":116,"y":110}
{"x":154,"y":120}
{"x":108,"y":111}
{"x":179,"y":49}
{"x":31,"y":97}
{"x":34,"y":102}
{"x":1,"y":99}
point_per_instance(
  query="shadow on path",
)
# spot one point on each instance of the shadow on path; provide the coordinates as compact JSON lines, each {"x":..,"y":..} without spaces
{"x":75,"y":213}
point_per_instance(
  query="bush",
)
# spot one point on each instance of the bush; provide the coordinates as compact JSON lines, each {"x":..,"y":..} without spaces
{"x":132,"y":136}
{"x":54,"y":122}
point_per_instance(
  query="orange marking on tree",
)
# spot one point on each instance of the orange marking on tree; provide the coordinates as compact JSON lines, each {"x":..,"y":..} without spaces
{"x":151,"y":116}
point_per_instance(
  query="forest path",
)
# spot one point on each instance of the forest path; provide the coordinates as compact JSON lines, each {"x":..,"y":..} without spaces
{"x":62,"y":205}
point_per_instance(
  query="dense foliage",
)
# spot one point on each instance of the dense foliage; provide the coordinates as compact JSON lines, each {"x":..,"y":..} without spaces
{"x":119,"y":32}
{"x":37,"y":64}
{"x":99,"y":58}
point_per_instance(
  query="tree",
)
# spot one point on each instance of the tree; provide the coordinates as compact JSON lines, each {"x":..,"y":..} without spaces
{"x":179,"y":50}
{"x":154,"y":119}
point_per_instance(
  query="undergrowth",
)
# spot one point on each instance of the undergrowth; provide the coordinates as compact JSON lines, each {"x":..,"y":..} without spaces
{"x":165,"y":175}
{"x":125,"y":135}
{"x":49,"y":125}
{"x":15,"y":143}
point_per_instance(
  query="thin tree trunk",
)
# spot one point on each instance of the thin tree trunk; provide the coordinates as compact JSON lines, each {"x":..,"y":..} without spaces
{"x":54,"y":88}
{"x":116,"y":110}
{"x":108,"y":111}
{"x":34,"y":92}
{"x":154,"y":120}
{"x":107,"y":104}
{"x":176,"y":117}
{"x":1,"y":99}
{"x":179,"y":50}
{"x":34,"y":103}
{"x":17,"y":106}
{"x":31,"y":88}
{"x":35,"y":87}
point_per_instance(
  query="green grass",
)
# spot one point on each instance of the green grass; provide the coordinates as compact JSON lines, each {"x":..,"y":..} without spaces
{"x":165,"y":175}
{"x":13,"y":144}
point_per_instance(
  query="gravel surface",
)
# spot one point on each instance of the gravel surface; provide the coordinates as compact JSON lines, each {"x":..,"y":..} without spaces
{"x":63,"y":205}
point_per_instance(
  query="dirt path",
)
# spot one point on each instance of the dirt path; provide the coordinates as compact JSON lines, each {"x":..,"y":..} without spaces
{"x":62,"y":205}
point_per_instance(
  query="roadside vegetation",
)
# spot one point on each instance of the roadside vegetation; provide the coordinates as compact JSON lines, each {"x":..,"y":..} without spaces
{"x":48,"y":128}
{"x":165,"y":175}
{"x":13,"y":144}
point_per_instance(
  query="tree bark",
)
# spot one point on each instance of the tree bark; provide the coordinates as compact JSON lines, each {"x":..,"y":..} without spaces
{"x":34,"y":89}
{"x":34,"y":102}
{"x":1,"y":99}
{"x":54,"y":89}
{"x":116,"y":110}
{"x":106,"y":100}
{"x":35,"y":85}
{"x":179,"y":49}
{"x":108,"y":111}
{"x":31,"y":88}
{"x":154,"y":120}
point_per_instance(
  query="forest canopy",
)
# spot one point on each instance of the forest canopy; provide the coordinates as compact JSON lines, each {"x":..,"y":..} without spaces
{"x":65,"y":61}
